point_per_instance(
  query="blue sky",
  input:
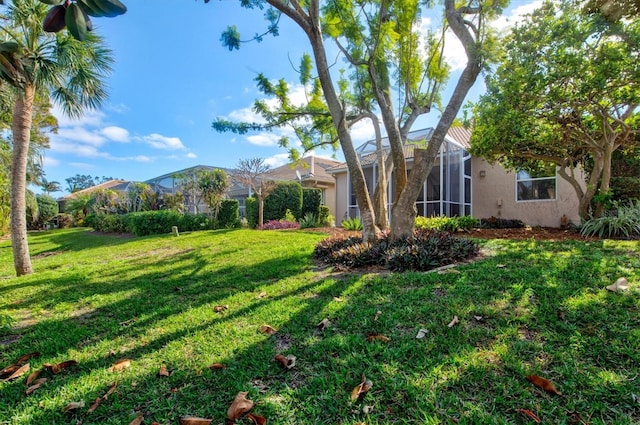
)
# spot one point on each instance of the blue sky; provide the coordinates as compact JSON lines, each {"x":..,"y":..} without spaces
{"x":172,"y":77}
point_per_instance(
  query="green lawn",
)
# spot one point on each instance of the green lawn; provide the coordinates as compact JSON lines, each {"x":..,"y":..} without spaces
{"x":524,"y":308}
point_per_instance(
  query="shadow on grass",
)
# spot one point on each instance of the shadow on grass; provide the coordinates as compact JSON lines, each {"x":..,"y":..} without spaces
{"x":549,"y":318}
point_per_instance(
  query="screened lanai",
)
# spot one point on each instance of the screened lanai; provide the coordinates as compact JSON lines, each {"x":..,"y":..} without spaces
{"x":447,"y":189}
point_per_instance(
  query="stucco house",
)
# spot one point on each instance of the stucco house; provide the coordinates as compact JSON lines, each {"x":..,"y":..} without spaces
{"x":115,"y":185}
{"x":460,"y":184}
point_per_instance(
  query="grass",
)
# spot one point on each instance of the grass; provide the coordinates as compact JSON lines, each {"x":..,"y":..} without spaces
{"x":526,"y":307}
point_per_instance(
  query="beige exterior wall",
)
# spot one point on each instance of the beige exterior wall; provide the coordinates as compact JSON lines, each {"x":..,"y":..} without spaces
{"x":341,"y":196}
{"x":330,"y":198}
{"x":495,"y":195}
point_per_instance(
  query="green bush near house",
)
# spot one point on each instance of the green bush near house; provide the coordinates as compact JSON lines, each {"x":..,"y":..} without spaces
{"x":285,"y":196}
{"x":325,"y":218}
{"x":251,"y":212}
{"x":229,"y":214}
{"x":47,"y":210}
{"x":351,"y":224}
{"x":621,"y":221}
{"x":311,"y":201}
{"x":448,"y":224}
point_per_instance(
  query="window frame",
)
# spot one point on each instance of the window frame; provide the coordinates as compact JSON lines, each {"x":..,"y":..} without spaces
{"x":535,"y":179}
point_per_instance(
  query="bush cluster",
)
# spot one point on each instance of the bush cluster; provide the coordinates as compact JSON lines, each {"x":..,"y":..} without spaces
{"x":424,"y":250}
{"x":622,"y":221}
{"x":280,"y":224}
{"x":500,"y":223}
{"x":47,"y":209}
{"x":351,"y":224}
{"x":447,"y":224}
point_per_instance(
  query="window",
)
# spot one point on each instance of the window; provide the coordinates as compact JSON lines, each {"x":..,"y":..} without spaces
{"x":539,"y":185}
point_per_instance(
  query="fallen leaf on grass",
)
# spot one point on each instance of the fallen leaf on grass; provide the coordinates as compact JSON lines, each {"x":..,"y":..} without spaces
{"x":286,"y":362}
{"x":120,"y":365}
{"x":501,"y":266}
{"x":138,"y":420}
{"x":95,"y":405}
{"x":478,"y":318}
{"x":261,"y":295}
{"x":192,"y":420}
{"x":324,"y":324}
{"x":530,"y":414}
{"x":622,"y":284}
{"x":217,"y":366}
{"x":36,"y":384}
{"x":128,"y":322}
{"x":378,"y":313}
{"x":337,"y":299}
{"x":635,"y":398}
{"x":240,"y":405}
{"x":17,"y":373}
{"x":361,"y":388}
{"x":258,"y":420}
{"x":28,"y":356}
{"x":74,"y":405}
{"x":453,"y":322}
{"x":544,"y":384}
{"x":59,"y":367}
{"x":266,"y":329}
{"x":378,"y":337}
{"x":576,"y":418}
{"x":111,"y":390}
{"x":220,"y":308}
{"x":163,"y":372}
{"x":32,"y":377}
{"x":422,"y":333}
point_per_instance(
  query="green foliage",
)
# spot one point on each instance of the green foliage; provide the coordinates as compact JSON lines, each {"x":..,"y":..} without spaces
{"x":424,"y":250}
{"x":213,"y":186}
{"x":47,"y":210}
{"x":288,"y":216}
{"x":311,"y":200}
{"x":351,"y":223}
{"x":108,"y":223}
{"x":63,"y":220}
{"x":325,"y":218}
{"x":449,"y":224}
{"x":625,"y":188}
{"x":251,"y":212}
{"x":621,"y":221}
{"x":229,"y":214}
{"x":309,"y":220}
{"x":285,"y":196}
{"x":500,"y":223}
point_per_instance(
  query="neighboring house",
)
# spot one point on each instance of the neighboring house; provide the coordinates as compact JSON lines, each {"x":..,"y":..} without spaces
{"x":115,"y":185}
{"x":463,"y":185}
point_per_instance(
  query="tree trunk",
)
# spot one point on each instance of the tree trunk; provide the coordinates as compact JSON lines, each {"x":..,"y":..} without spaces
{"x":605,"y":178}
{"x":260,"y":211}
{"x":21,"y":128}
{"x":380,"y":193}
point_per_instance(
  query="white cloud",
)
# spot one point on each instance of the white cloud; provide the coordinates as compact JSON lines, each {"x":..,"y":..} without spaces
{"x":50,"y":162}
{"x":191,"y":155}
{"x":117,"y":134}
{"x":245,"y":115}
{"x":78,"y":134}
{"x":120,"y":108}
{"x":81,"y":165}
{"x":277,"y":160}
{"x":516,"y":15}
{"x":77,"y":149}
{"x":264,"y":139}
{"x":159,"y":141}
{"x":90,"y":118}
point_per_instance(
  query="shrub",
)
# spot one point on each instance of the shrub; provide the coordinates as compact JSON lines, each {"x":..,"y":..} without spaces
{"x":288,"y":216}
{"x":285,"y":196}
{"x":447,"y":224}
{"x":193,"y":222}
{"x":625,"y":188}
{"x":352,"y":223}
{"x":153,"y":222}
{"x":311,"y":200}
{"x":47,"y":210}
{"x":424,"y":250}
{"x":251,"y":212}
{"x":500,"y":223}
{"x":325,"y":219}
{"x":63,"y":220}
{"x":229,"y":214}
{"x":280,"y":224}
{"x":622,"y":221}
{"x":308,"y":221}
{"x":108,"y":223}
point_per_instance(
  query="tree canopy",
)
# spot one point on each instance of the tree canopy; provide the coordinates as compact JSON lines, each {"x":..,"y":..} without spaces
{"x":566,"y":92}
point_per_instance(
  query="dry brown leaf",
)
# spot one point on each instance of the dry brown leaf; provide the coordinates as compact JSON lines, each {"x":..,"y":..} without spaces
{"x":378,"y":337}
{"x":192,"y":420}
{"x":128,"y":322}
{"x":217,"y":366}
{"x":26,"y":357}
{"x":324,"y":324}
{"x":163,"y":372}
{"x":622,"y":284}
{"x":261,"y":295}
{"x":220,"y":308}
{"x":74,"y":405}
{"x":266,"y":329}
{"x":286,"y":362}
{"x":337,"y":299}
{"x":361,"y":388}
{"x":530,"y":414}
{"x":378,"y":313}
{"x":138,"y":420}
{"x":422,"y":333}
{"x":9,"y":370}
{"x":544,"y":384}
{"x":95,"y":405}
{"x":111,"y":390}
{"x":453,"y":322}
{"x":240,"y":406}
{"x":120,"y":365}
{"x":17,"y":373}
{"x":36,"y":384}
{"x":32,"y":377}
{"x":258,"y":420}
{"x":59,"y":367}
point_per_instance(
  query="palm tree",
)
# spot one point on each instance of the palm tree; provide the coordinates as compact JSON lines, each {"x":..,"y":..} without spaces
{"x":72,"y":72}
{"x":48,"y":187}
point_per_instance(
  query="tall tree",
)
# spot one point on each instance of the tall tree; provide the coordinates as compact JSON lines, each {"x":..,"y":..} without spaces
{"x":72,"y":72}
{"x":250,"y":173}
{"x":50,"y":186}
{"x":379,"y":39}
{"x":213,"y":185}
{"x":566,"y":92}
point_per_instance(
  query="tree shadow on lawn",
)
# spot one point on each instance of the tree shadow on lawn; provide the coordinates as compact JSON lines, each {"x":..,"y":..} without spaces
{"x":471,"y":372}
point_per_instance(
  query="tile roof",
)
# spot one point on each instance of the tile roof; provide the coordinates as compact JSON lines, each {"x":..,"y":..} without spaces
{"x":310,"y":168}
{"x":111,"y":184}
